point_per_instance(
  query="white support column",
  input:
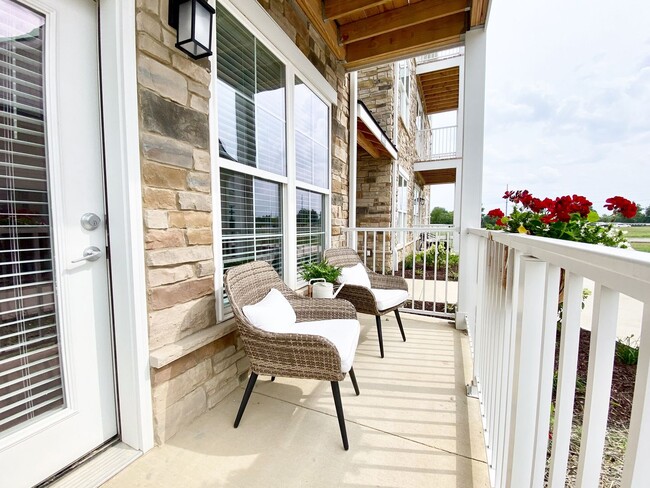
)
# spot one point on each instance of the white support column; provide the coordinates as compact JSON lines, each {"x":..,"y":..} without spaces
{"x":352,"y":146}
{"x":461,"y":108}
{"x":471,"y":174}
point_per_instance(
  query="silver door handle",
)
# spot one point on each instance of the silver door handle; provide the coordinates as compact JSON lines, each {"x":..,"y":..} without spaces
{"x":91,"y":253}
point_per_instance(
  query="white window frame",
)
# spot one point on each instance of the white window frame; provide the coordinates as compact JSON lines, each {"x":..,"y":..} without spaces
{"x":401,"y":210}
{"x":258,"y":22}
{"x":404,"y":90}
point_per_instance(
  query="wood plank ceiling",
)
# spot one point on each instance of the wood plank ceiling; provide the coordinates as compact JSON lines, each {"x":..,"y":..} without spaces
{"x":440,"y":90}
{"x":370,"y":32}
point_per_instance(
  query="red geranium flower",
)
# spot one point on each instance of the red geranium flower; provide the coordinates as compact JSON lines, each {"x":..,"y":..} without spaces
{"x":496,"y":213}
{"x":621,"y":206}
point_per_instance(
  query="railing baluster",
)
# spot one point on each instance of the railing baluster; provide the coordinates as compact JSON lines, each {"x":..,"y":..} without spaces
{"x":374,"y":251}
{"x":599,"y":382}
{"x":566,"y":379}
{"x":365,"y":247}
{"x":545,"y":381}
{"x":636,"y":472}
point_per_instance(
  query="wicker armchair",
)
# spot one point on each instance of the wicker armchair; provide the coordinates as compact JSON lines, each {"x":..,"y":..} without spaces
{"x":363,"y":299}
{"x":293,"y":355}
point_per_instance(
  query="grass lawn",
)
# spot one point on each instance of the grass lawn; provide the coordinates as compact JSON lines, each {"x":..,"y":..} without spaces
{"x":636,"y":231}
{"x":641,"y":246}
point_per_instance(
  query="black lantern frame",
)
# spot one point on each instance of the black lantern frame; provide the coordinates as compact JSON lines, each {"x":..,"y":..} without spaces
{"x":186,"y":34}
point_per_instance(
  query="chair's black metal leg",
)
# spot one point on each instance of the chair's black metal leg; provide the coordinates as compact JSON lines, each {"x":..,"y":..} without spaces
{"x":354,"y":381}
{"x":336,"y":393}
{"x":247,"y":395}
{"x":381,"y":340}
{"x":399,"y":322}
{"x":272,"y":378}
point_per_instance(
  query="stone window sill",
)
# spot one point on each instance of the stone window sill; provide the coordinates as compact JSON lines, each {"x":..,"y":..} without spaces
{"x":171,"y":352}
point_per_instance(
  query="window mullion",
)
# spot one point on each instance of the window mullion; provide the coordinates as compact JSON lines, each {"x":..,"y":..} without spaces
{"x":290,"y":226}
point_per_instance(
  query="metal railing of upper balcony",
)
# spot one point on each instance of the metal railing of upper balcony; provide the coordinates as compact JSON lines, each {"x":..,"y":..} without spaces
{"x":424,"y":256}
{"x":528,"y":427}
{"x":440,"y":55}
{"x":439,"y":143}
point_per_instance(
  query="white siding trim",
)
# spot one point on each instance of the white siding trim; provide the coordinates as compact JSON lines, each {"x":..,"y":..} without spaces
{"x":124,"y":195}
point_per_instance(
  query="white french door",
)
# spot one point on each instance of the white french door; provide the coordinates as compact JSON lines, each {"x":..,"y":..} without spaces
{"x":57,"y":395}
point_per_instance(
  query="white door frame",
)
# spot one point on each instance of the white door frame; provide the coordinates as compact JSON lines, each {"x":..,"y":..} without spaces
{"x":124,"y":195}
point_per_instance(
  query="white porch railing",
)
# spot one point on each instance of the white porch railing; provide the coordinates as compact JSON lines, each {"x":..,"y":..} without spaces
{"x":513,"y":344}
{"x":432,"y":281}
{"x":439,"y":143}
{"x":439,"y":55}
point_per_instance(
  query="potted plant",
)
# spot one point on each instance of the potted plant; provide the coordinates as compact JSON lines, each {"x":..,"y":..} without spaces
{"x":323,"y":272}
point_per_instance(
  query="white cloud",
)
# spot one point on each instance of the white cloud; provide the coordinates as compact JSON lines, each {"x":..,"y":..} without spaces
{"x":568,"y":100}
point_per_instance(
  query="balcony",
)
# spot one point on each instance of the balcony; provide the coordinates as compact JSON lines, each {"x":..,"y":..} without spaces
{"x":437,"y":144}
{"x":412,"y":425}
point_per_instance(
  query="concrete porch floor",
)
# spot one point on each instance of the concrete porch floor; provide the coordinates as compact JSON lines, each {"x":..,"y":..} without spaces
{"x":412,"y":425}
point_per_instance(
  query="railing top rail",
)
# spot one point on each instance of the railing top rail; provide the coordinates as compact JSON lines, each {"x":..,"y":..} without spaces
{"x":623,"y":270}
{"x":432,"y":129}
{"x":420,"y":228}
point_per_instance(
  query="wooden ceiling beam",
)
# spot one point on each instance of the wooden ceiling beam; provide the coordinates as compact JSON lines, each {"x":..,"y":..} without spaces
{"x":443,"y":97}
{"x":479,"y":12}
{"x":405,"y":43}
{"x":399,"y":18}
{"x":328,"y":30}
{"x":335,"y":9}
{"x":440,"y":109}
{"x":440,"y":82}
{"x":367,"y":145}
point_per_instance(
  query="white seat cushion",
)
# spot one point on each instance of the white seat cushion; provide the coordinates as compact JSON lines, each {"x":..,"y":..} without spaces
{"x":389,"y":298}
{"x":343,"y":333}
{"x":355,"y":275}
{"x":273,"y":313}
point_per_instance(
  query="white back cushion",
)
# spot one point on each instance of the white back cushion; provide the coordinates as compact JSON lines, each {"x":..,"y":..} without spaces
{"x":273,"y":313}
{"x":355,"y":275}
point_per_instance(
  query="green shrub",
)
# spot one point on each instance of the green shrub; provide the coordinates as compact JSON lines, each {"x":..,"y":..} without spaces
{"x":627,"y":350}
{"x":431,"y":258}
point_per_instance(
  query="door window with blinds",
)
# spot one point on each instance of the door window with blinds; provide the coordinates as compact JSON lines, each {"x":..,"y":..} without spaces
{"x":30,"y":372}
{"x":273,"y":129}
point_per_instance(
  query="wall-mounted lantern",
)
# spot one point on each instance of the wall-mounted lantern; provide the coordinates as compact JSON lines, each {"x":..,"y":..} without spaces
{"x":192,"y":20}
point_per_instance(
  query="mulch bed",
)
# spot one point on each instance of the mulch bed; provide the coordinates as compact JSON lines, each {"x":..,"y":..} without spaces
{"x":624,"y":375}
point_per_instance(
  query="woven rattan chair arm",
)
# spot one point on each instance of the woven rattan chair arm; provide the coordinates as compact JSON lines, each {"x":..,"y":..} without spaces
{"x":387,"y":282}
{"x":291,"y":355}
{"x":361,"y":297}
{"x":308,"y":309}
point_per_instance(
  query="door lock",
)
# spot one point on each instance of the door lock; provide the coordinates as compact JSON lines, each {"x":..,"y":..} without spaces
{"x":90,"y":221}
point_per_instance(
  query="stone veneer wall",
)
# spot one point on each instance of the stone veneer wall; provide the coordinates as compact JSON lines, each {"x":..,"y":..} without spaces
{"x":374,"y":176}
{"x":174,"y":108}
{"x":376,"y":190}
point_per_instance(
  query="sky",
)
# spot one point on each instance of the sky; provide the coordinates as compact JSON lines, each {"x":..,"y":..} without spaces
{"x":567,"y":101}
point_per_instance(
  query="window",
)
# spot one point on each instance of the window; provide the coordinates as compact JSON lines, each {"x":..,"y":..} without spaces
{"x":251,"y":91}
{"x":274,"y":156}
{"x":402,"y":206}
{"x":419,"y":119}
{"x":312,"y":171}
{"x":312,"y":134}
{"x":404,"y":87}
{"x":251,"y":220}
{"x":310,"y":228}
{"x":416,"y":201}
